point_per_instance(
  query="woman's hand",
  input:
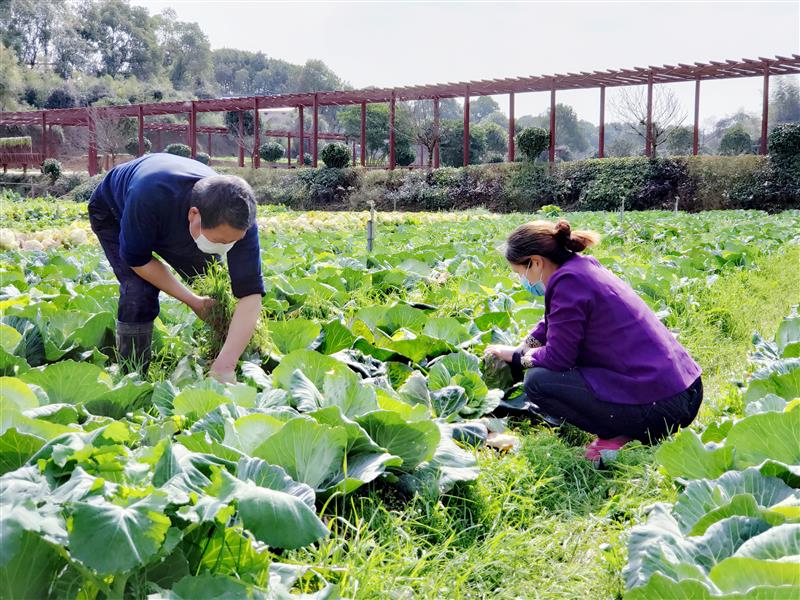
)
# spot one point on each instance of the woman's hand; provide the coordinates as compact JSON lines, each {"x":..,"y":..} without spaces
{"x":505,"y":353}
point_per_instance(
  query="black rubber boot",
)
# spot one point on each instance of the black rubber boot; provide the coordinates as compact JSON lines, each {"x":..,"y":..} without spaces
{"x":133,"y":346}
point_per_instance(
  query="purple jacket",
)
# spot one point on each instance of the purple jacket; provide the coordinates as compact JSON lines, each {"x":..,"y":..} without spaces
{"x":595,"y":321}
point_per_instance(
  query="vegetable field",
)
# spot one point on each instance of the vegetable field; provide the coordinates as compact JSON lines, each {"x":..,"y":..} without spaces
{"x":349,"y":460}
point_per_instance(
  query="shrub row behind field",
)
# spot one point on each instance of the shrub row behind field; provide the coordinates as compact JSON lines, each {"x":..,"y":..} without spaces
{"x":635,"y":183}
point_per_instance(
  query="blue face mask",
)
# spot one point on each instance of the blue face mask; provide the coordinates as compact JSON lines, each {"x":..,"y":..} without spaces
{"x":537,"y":289}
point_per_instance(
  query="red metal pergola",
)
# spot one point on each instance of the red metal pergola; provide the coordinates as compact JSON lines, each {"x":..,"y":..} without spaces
{"x":649,"y":76}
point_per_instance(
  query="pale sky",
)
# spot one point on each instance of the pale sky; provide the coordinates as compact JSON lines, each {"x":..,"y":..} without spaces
{"x":402,"y":43}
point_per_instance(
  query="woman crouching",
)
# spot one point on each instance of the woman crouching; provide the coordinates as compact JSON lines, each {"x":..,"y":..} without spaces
{"x":600,"y":359}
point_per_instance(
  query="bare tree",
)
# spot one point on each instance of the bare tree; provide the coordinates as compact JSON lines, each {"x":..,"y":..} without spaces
{"x":112,"y":133}
{"x":424,"y":129}
{"x":631,"y":106}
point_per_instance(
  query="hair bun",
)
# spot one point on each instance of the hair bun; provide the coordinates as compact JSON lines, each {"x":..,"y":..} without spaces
{"x":564,"y":237}
{"x":563,"y":231}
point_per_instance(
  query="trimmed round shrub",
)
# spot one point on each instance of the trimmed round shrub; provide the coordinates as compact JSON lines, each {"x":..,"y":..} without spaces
{"x":404,"y":155}
{"x":271,"y":151}
{"x":84,"y":191}
{"x":335,"y":156}
{"x":307,"y":159}
{"x":735,"y":141}
{"x":52,"y":168}
{"x":179,"y":150}
{"x":203,"y":158}
{"x":132,"y":146}
{"x":533,"y":141}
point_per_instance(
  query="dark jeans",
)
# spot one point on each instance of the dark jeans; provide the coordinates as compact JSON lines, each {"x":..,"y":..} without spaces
{"x":138,"y":299}
{"x":566,"y":397}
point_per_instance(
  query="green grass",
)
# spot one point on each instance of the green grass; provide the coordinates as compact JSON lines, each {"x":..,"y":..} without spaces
{"x":542,"y":522}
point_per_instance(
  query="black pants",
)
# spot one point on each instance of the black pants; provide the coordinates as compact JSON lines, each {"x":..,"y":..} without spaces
{"x":566,"y":397}
{"x":138,"y":299}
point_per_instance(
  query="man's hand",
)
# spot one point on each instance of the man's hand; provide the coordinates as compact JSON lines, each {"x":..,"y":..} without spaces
{"x":505,"y":353}
{"x":201,"y":305}
{"x":223,"y":373}
{"x":243,"y":323}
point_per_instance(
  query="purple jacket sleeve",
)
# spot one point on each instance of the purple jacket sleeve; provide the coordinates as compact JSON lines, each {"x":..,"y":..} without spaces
{"x":570,"y":305}
{"x":539,"y":332}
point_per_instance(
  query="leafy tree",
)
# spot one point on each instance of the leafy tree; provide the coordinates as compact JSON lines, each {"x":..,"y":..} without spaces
{"x":10,"y":79}
{"x":335,"y":156}
{"x":30,"y":26}
{"x":679,"y":141}
{"x":532,"y":142}
{"x":452,"y":144}
{"x":349,"y":118}
{"x":498,"y":118}
{"x":496,"y":137}
{"x":569,"y":129}
{"x":736,"y":141}
{"x":315,"y":76}
{"x":186,"y":51}
{"x":621,"y":141}
{"x":62,"y":97}
{"x":123,"y":39}
{"x":785,"y":105}
{"x":482,"y":107}
{"x":271,"y":151}
{"x":232,"y":122}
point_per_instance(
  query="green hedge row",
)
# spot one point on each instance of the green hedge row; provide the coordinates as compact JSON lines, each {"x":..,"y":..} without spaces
{"x":637,"y":183}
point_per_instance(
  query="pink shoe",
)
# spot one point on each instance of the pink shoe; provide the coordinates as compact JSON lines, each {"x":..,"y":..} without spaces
{"x":593,"y":449}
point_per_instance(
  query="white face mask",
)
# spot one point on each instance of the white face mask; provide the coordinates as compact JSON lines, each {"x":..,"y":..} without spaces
{"x":208,"y":247}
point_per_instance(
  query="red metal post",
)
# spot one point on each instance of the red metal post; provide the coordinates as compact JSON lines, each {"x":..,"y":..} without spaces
{"x":765,"y":112}
{"x":257,"y":135}
{"x":436,"y":132}
{"x":141,"y":131}
{"x":511,"y":125}
{"x":601,"y":136}
{"x":301,"y":156}
{"x":93,"y":167}
{"x":392,"y":108}
{"x":289,"y":150}
{"x":552,"y":153}
{"x":208,"y":144}
{"x":363,"y":134}
{"x":44,"y":135}
{"x":696,"y":132}
{"x":241,"y":139}
{"x":315,"y":129}
{"x":466,"y":127}
{"x":648,"y":145}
